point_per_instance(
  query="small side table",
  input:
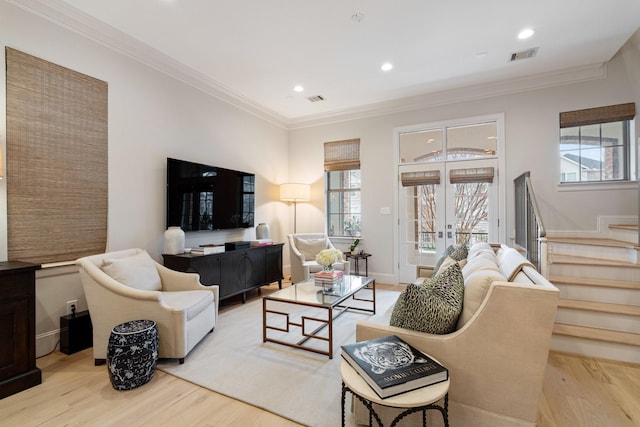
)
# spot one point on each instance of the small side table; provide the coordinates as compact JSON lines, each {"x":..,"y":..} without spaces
{"x":419,"y":400}
{"x":357,"y":256}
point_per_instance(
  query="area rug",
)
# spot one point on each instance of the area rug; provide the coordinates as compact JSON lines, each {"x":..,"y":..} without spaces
{"x":295,"y":384}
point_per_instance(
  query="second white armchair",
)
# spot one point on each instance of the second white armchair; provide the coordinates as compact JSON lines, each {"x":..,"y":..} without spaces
{"x":303,"y":250}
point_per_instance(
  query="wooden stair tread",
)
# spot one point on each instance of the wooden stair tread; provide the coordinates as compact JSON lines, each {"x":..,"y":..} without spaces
{"x":607,"y":335}
{"x":590,"y":241}
{"x":632,"y":227}
{"x":590,"y":281}
{"x":602,"y":307}
{"x":580,"y":260}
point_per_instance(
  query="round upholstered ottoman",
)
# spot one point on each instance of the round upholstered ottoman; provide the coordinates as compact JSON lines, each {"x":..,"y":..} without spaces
{"x":132,"y":354}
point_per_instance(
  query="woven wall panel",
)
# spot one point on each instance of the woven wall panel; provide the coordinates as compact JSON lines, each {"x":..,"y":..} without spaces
{"x":56,"y":161}
{"x":590,"y":116}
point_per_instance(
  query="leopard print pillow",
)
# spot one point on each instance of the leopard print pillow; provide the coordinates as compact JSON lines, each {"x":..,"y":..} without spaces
{"x":433,"y":306}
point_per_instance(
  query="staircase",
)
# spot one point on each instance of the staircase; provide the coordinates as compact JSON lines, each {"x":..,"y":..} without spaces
{"x":599,"y":282}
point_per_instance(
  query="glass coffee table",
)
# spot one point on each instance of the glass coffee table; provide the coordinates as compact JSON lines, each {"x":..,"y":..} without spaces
{"x":328,"y":303}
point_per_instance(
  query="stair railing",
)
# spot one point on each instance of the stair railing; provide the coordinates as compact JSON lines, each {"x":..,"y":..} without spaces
{"x":530,"y":230}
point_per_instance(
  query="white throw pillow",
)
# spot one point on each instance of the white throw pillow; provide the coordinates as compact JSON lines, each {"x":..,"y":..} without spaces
{"x":309,"y":248}
{"x":137,"y":271}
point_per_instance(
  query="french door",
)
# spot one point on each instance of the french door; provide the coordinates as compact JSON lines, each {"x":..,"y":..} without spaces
{"x":448,"y":199}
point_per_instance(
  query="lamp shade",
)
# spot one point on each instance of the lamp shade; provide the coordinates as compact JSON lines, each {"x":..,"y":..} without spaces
{"x":295,"y":192}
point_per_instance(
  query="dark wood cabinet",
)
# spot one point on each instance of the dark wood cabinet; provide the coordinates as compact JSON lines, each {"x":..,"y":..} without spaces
{"x":18,"y":369}
{"x":237,"y":271}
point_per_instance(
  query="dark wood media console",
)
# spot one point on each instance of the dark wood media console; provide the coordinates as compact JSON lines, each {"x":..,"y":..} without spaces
{"x":236,"y":272}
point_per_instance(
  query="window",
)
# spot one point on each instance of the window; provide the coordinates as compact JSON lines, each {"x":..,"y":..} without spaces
{"x":595,"y":144}
{"x":460,"y":142}
{"x":342,"y":177}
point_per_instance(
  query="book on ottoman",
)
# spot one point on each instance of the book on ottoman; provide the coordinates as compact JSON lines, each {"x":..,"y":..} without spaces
{"x":391,"y":366}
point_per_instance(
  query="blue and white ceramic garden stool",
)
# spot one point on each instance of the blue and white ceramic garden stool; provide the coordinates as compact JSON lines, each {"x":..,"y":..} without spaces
{"x":132,"y":354}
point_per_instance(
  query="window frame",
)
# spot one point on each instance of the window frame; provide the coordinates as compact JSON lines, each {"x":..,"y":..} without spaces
{"x":628,"y":161}
{"x":624,"y":113}
{"x":343,"y":215}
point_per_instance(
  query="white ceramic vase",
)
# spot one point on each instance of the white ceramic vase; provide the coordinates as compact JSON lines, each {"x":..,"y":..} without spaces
{"x":262,"y":231}
{"x":173,"y":241}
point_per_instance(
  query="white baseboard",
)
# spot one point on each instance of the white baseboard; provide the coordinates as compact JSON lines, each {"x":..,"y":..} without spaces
{"x":47,"y":342}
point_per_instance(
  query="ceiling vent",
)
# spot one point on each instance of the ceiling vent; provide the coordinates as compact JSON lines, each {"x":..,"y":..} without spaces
{"x":524,"y":54}
{"x":316,"y":98}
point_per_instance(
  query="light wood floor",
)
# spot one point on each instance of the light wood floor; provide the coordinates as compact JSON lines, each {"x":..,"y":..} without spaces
{"x":578,"y":392}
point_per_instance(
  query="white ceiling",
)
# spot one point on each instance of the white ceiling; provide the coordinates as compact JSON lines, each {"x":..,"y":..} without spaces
{"x":256,"y":51}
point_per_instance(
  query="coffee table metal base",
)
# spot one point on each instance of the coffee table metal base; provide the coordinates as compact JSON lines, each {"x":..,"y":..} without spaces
{"x":325,"y":321}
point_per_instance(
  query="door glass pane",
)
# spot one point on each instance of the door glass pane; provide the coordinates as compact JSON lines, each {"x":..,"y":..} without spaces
{"x":426,"y":202}
{"x":421,"y":146}
{"x":420,"y":223}
{"x":471,"y":202}
{"x":472,"y":141}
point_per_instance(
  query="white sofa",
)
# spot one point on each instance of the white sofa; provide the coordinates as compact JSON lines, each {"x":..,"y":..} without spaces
{"x":497,"y":356}
{"x":303,"y":248}
{"x":129,"y":285}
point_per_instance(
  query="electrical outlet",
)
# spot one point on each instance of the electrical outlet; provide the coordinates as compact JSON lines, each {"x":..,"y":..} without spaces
{"x":72,"y":306}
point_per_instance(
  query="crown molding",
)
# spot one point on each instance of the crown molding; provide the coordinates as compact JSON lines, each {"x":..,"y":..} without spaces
{"x":461,"y":94}
{"x":61,"y":13}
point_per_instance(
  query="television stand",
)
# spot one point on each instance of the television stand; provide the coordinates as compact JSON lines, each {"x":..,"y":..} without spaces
{"x":235,"y":271}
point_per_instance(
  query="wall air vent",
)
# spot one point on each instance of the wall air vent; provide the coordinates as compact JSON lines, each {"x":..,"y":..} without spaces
{"x":524,"y":54}
{"x":316,"y":98}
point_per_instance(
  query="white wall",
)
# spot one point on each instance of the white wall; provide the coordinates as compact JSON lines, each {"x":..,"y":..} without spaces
{"x":151,"y":117}
{"x":531,"y":133}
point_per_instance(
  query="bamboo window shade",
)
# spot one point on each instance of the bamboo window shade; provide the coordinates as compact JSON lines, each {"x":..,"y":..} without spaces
{"x":464,"y":176}
{"x":412,"y":179}
{"x":342,"y":155}
{"x":590,"y":116}
{"x":56,"y":161}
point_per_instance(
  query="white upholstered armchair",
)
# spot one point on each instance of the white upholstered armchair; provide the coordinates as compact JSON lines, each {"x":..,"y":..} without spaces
{"x":303,"y":250}
{"x":129,"y":285}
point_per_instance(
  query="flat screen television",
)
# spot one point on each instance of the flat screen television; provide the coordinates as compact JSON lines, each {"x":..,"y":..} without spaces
{"x":203,"y":197}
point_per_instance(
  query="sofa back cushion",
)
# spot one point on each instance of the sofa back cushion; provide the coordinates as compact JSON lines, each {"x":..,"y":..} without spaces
{"x":511,"y":262}
{"x":138,"y":271}
{"x":476,"y":286}
{"x":433,"y":306}
{"x":309,"y":248}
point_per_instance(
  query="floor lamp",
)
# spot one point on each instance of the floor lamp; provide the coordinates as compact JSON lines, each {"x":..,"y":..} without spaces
{"x":295,"y":193}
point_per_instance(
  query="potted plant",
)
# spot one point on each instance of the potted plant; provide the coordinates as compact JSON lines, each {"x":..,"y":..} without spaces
{"x":352,"y":226}
{"x":354,"y":245}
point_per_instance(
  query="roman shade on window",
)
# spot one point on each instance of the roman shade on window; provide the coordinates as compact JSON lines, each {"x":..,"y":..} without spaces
{"x":464,"y":176}
{"x":56,"y":161}
{"x":342,"y":155}
{"x":412,"y":179}
{"x":590,"y":116}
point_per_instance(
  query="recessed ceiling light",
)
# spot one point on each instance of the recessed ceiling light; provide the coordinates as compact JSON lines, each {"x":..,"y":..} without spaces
{"x":526,"y":33}
{"x":298,"y":88}
{"x":387,"y":66}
